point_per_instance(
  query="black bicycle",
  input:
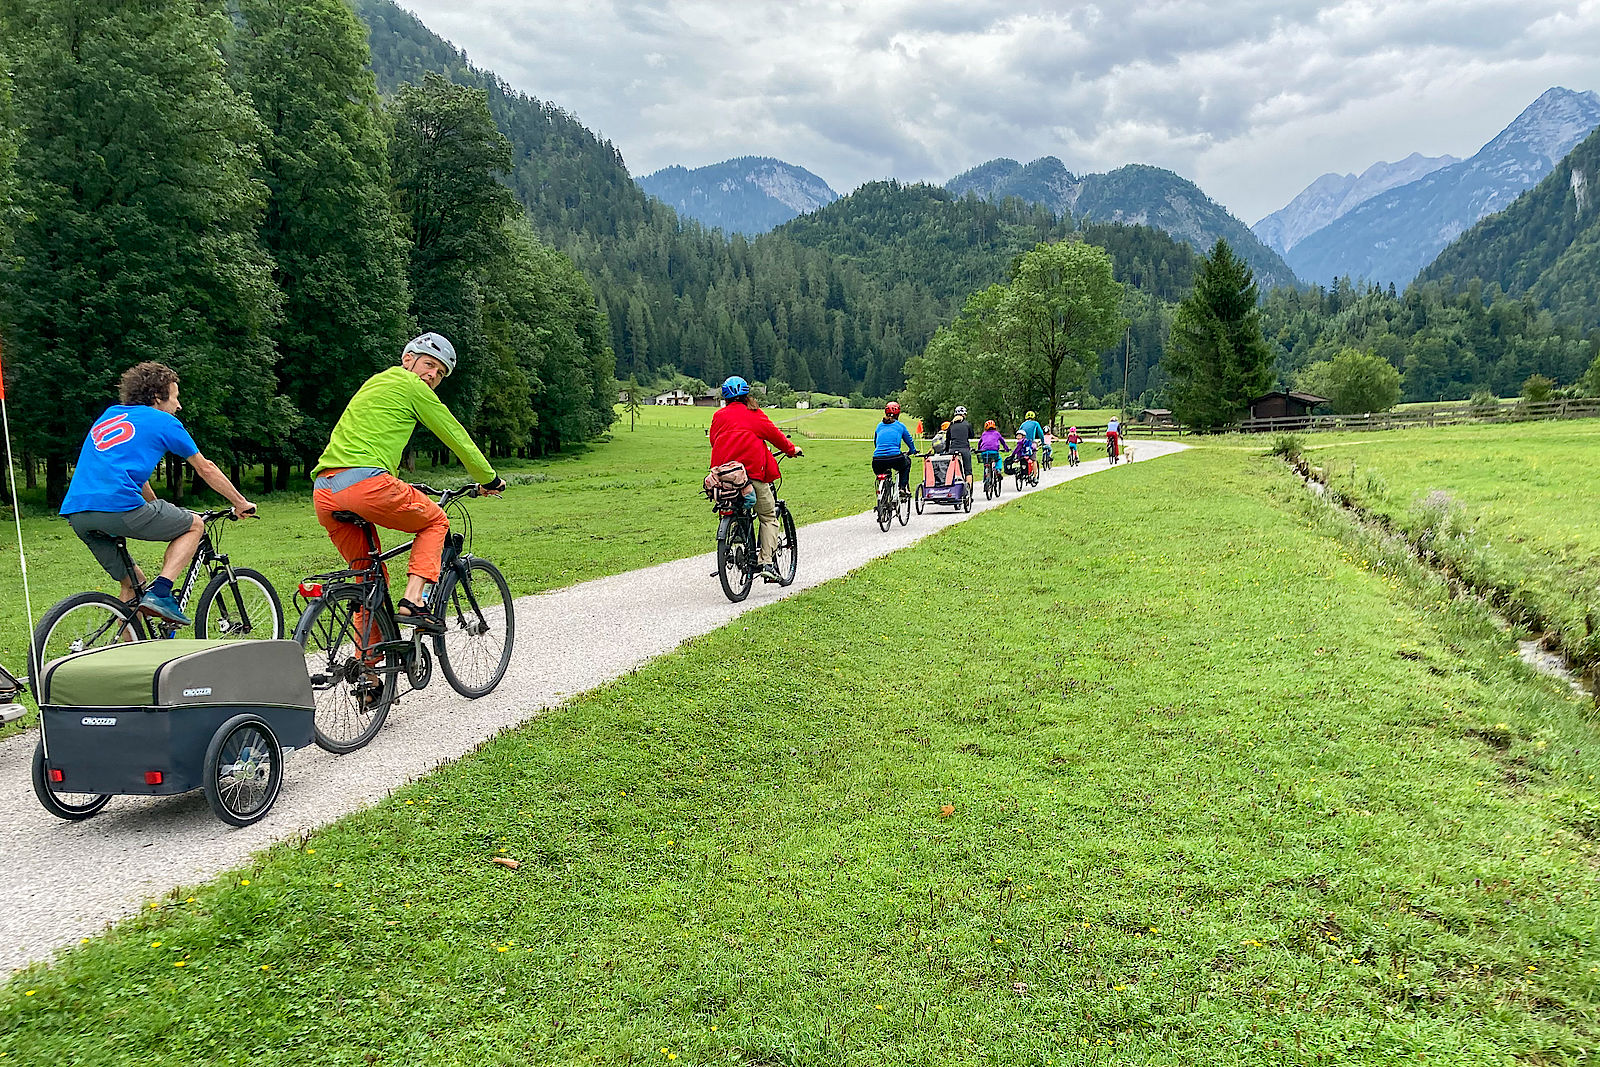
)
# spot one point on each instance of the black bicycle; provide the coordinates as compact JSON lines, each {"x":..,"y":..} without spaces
{"x":355,"y":653}
{"x":892,"y":502}
{"x":737,"y":556}
{"x":236,"y":602}
{"x":993,"y":483}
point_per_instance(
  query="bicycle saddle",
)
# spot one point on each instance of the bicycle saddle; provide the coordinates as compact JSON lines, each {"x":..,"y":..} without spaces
{"x":350,"y":517}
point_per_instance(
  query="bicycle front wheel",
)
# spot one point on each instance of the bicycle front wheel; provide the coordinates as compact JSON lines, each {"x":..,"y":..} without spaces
{"x":787,"y":555}
{"x":247,"y":606}
{"x":352,"y":678}
{"x":480,"y":626}
{"x":83,"y":621}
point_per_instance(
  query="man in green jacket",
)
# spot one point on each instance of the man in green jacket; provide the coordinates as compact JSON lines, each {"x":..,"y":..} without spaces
{"x":357,"y":471}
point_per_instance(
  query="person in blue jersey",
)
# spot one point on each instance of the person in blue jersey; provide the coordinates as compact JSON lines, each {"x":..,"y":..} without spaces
{"x":1031,"y":429}
{"x":887,"y":439}
{"x":110,"y":495}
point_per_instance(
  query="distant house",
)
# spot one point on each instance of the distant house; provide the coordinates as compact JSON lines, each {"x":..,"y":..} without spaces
{"x":1157,"y":417}
{"x":1280,"y":404}
{"x":673,"y":398}
{"x":708,"y":400}
{"x":802,"y":405}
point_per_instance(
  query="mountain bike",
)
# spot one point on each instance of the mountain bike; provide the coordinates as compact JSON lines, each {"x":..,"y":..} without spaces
{"x":236,"y":602}
{"x":993,"y":483}
{"x":737,"y":555}
{"x":891,"y":501}
{"x":355,"y":653}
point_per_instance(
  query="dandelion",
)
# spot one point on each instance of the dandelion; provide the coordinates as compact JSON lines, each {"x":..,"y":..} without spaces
{"x":266,"y":966}
{"x":30,"y":992}
{"x":153,"y":944}
{"x":310,"y":851}
{"x":879,"y":1007}
{"x":713,"y":1027}
{"x":501,"y":948}
{"x":180,"y":963}
{"x":245,"y":881}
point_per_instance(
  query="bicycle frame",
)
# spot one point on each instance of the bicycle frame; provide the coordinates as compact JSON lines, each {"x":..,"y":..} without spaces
{"x":206,"y":558}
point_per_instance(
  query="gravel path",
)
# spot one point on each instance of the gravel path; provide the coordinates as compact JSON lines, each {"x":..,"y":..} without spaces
{"x":63,"y":881}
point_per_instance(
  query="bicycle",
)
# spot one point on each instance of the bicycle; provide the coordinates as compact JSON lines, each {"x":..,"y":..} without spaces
{"x":236,"y":602}
{"x":1048,"y":459}
{"x":891,"y":501}
{"x":737,"y":555}
{"x":1072,"y":456}
{"x":993,"y":482}
{"x":1114,"y":451}
{"x":354,"y":652}
{"x":1027,"y":473}
{"x":10,"y":690}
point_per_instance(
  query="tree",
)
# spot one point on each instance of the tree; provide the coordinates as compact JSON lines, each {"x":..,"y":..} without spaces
{"x":1361,"y":382}
{"x":1217,"y":360}
{"x":1060,"y":312}
{"x":137,"y":225}
{"x":1536,"y":390}
{"x":338,"y":251}
{"x":970,"y":362}
{"x":632,"y":403}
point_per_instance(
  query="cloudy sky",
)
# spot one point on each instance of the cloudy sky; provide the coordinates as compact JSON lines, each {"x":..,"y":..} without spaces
{"x":1252,"y":100}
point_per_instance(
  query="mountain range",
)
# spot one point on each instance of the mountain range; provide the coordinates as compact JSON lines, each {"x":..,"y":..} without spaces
{"x":748,"y":195}
{"x":1334,"y":195}
{"x":1398,"y":231}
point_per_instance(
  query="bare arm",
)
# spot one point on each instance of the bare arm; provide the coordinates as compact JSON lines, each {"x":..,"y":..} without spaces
{"x":212,"y":475}
{"x":148,"y":493}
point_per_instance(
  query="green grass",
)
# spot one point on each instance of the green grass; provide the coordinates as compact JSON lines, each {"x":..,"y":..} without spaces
{"x":1204,"y":787}
{"x":1513,"y":509}
{"x":630,"y":501}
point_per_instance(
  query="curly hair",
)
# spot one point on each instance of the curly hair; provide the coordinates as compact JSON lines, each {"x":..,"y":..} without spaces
{"x":147,"y":383}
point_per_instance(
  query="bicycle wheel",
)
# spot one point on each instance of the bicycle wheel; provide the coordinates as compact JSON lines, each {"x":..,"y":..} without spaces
{"x":60,"y":803}
{"x":885,"y":511}
{"x":905,"y":506}
{"x":248,"y":606}
{"x":736,"y":560}
{"x":82,"y":621}
{"x":244,"y":770}
{"x":787,"y":555}
{"x":922,"y":498}
{"x":480,"y":626}
{"x":1022,"y":477}
{"x":353,"y":688}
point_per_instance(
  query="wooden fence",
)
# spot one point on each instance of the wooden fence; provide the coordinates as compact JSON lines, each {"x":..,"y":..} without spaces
{"x":1432,"y":415}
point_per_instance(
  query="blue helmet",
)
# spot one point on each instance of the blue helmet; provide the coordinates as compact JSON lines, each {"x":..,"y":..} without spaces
{"x":735,"y":387}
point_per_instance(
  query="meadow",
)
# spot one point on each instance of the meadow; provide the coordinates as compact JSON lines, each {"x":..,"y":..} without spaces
{"x":1156,"y":767}
{"x":1511,"y":509}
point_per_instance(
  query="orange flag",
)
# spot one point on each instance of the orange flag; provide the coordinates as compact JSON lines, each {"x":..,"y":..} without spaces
{"x":2,"y":374}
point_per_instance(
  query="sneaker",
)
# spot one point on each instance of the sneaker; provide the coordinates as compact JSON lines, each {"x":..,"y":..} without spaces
{"x":770,"y":573}
{"x":164,"y":606}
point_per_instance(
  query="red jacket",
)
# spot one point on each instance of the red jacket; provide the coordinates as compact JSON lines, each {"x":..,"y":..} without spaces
{"x":738,"y":433}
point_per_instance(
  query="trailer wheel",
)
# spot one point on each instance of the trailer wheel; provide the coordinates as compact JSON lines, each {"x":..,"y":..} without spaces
{"x":243,"y":769}
{"x":60,"y":803}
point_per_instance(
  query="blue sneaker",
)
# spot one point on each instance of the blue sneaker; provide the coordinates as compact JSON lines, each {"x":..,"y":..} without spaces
{"x":164,"y":606}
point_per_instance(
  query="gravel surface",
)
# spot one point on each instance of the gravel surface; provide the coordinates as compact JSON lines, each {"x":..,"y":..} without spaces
{"x":64,"y":881}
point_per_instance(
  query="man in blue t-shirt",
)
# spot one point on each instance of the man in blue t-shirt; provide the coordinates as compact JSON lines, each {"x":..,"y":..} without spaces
{"x":110,"y":494}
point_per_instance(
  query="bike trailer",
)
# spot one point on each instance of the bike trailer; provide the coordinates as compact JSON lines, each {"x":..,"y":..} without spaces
{"x":943,"y":480}
{"x":163,"y":717}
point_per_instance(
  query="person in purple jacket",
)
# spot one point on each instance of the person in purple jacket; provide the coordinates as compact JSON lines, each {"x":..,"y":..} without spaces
{"x":991,"y":444}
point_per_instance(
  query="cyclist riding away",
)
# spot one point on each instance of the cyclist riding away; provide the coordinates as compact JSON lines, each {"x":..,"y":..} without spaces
{"x":887,"y":439}
{"x":1021,"y":455}
{"x":740,"y":432}
{"x":991,"y":443}
{"x":357,"y":471}
{"x":1033,"y":431}
{"x":1074,"y":439}
{"x":110,"y":495}
{"x":1113,"y":440}
{"x":958,"y":441}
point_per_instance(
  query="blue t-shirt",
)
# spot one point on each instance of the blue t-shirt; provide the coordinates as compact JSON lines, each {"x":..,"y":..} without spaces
{"x":123,"y":447}
{"x":886,"y":440}
{"x":1032,"y":428}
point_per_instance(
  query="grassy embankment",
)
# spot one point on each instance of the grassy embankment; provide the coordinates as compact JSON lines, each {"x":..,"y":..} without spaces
{"x":1150,"y":768}
{"x":1511,"y":509}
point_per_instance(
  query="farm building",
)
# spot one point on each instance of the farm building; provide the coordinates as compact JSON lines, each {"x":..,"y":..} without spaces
{"x":1281,"y":404}
{"x":1157,"y":417}
{"x":672,"y":398}
{"x":708,"y":400}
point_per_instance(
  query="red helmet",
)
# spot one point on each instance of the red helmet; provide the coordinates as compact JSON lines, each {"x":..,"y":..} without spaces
{"x":891,"y":408}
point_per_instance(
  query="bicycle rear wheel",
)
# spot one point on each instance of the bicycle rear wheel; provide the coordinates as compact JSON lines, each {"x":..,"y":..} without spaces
{"x":352,"y":680}
{"x":83,"y":621}
{"x":787,"y":555}
{"x":480,"y":626}
{"x":736,"y":560}
{"x":248,"y":606}
{"x":885,"y":510}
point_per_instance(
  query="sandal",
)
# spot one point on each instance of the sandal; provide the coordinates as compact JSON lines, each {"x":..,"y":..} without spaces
{"x":409,"y":614}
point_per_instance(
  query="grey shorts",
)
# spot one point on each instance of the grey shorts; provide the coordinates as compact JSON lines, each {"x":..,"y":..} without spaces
{"x":156,"y":520}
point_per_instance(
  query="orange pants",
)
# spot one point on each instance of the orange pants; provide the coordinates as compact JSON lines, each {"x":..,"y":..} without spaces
{"x":386,"y":501}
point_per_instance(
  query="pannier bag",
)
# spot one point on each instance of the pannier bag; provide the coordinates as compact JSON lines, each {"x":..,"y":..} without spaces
{"x":727,"y":482}
{"x":111,"y":713}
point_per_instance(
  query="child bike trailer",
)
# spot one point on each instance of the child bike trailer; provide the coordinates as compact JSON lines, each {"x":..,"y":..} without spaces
{"x":943,"y":482}
{"x":155,"y":718}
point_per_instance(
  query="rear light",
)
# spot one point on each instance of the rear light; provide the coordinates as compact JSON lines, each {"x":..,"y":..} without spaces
{"x":56,"y":776}
{"x":152,"y":777}
{"x":311,"y":590}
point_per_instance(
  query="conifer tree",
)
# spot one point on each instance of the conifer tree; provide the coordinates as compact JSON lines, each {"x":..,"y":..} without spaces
{"x":339,"y":254}
{"x":137,"y":224}
{"x":1217,"y":360}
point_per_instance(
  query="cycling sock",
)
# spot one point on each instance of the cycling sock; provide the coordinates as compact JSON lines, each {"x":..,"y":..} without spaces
{"x":162,"y":586}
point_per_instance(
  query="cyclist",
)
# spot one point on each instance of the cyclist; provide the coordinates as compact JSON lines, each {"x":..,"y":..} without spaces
{"x":110,"y":495}
{"x":357,"y":471}
{"x":958,"y":441}
{"x":1049,"y":444}
{"x":1034,"y":432}
{"x":1113,"y":440}
{"x":1074,"y":439}
{"x":740,"y":432}
{"x":886,"y":441}
{"x":991,"y":444}
{"x":1021,"y":456}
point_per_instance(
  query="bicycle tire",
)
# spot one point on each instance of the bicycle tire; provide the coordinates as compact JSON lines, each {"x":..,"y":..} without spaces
{"x":1021,"y":478}
{"x":885,"y":512}
{"x":249,"y":601}
{"x":243,"y":770}
{"x":84,"y":621}
{"x":349,"y":712}
{"x":786,"y":557}
{"x":736,"y":556}
{"x":480,"y":627}
{"x":905,"y":507}
{"x":55,"y":801}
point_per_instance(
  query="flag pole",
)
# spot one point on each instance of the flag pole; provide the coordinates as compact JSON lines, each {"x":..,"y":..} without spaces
{"x":22,"y":556}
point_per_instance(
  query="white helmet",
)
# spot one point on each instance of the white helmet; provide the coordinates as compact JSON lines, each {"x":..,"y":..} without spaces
{"x":961,"y":411}
{"x":432,"y":344}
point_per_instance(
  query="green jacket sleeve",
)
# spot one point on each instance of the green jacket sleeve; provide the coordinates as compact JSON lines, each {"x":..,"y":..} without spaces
{"x":432,"y":413}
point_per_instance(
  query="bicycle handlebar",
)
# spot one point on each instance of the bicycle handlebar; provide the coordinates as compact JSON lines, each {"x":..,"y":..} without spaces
{"x":470,"y":489}
{"x":227,"y":513}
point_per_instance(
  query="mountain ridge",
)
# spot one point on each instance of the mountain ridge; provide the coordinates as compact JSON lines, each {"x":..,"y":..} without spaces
{"x":1332,"y":196}
{"x":748,"y":194}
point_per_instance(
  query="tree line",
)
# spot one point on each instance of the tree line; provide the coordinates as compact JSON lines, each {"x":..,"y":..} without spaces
{"x":220,"y":187}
